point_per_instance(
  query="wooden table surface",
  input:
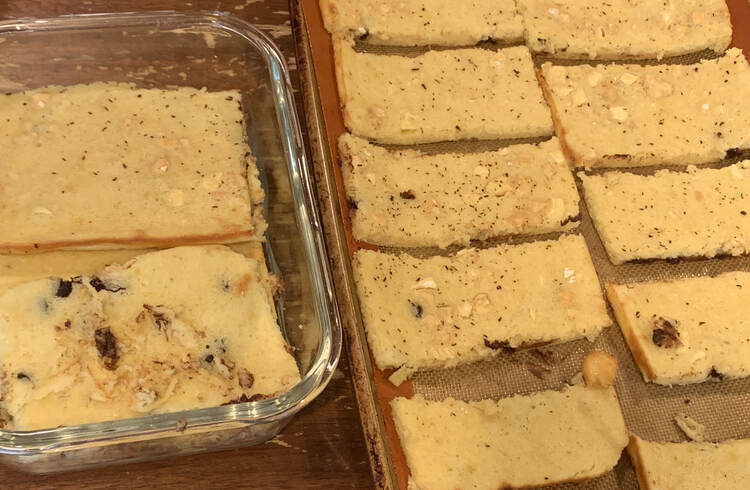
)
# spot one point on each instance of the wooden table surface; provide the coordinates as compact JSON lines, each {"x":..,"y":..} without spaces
{"x":323,"y":446}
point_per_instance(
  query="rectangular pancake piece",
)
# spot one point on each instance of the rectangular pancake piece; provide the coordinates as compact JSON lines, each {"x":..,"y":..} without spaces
{"x":410,"y":199}
{"x":686,"y":330}
{"x":423,"y":22}
{"x":519,"y":442}
{"x":622,"y":29}
{"x":443,"y":311}
{"x":116,"y":166}
{"x":697,"y":213}
{"x":183,"y":328}
{"x":632,"y":115}
{"x":440,"y":95}
{"x":691,"y":465}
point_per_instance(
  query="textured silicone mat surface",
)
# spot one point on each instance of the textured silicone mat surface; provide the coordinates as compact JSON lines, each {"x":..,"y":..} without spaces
{"x":649,"y":409}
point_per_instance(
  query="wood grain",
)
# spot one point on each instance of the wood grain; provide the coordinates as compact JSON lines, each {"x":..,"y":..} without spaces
{"x":323,"y":447}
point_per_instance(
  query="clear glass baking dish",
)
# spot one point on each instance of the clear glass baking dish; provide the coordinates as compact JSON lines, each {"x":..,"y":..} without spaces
{"x":216,"y":51}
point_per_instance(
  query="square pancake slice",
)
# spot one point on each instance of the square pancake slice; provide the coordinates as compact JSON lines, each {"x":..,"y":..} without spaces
{"x":178,"y":329}
{"x":116,"y":166}
{"x":520,"y":442}
{"x":621,"y":115}
{"x":445,"y":95}
{"x":686,"y":330}
{"x":423,"y":22}
{"x":625,"y":29}
{"x":697,"y":213}
{"x":443,"y":311}
{"x":410,"y":199}
{"x":691,"y":465}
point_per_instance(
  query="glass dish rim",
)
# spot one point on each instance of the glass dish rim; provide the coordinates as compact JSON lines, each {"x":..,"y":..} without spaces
{"x":329,"y":347}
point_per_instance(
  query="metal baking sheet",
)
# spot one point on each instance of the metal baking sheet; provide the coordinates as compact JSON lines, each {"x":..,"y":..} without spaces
{"x":649,"y":409}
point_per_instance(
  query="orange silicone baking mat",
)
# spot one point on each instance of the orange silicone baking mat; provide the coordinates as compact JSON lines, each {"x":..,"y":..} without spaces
{"x":649,"y":409}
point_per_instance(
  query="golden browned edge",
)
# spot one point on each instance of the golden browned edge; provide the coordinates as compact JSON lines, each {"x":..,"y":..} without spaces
{"x":359,"y":363}
{"x":138,"y":241}
{"x":629,"y":332}
{"x":258,"y":223}
{"x":347,"y":173}
{"x":559,"y":129}
{"x":345,"y":155}
{"x":635,"y":457}
{"x":329,"y":12}
{"x":338,"y":43}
